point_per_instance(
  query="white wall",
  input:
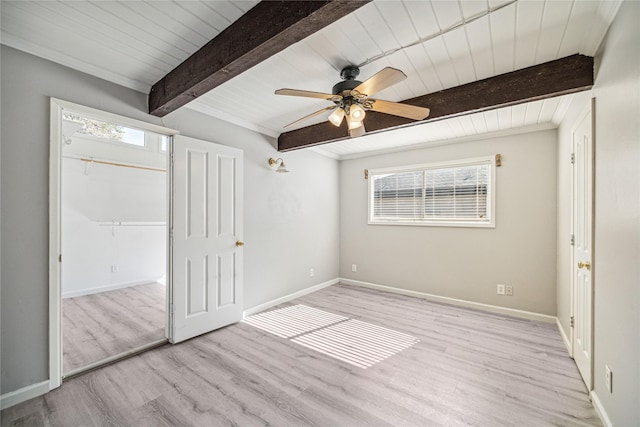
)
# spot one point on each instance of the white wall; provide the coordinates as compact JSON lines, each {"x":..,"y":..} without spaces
{"x":617,"y":218}
{"x":291,"y":220}
{"x":463,"y":263}
{"x":97,"y":257}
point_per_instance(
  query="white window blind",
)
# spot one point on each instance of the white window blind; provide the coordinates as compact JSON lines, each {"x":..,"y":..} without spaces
{"x":454,"y":193}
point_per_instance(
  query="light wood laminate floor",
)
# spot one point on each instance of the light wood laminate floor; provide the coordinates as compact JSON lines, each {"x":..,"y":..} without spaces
{"x":468,"y":368}
{"x":101,"y":325}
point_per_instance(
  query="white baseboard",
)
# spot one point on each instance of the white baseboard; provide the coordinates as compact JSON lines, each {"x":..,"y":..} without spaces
{"x":22,"y":395}
{"x":454,"y":301}
{"x":565,"y":339}
{"x":604,"y":417}
{"x":108,"y":288}
{"x":287,"y":298}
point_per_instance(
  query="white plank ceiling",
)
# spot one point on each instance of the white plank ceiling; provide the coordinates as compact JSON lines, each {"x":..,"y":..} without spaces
{"x":438,"y":44}
{"x":132,"y":43}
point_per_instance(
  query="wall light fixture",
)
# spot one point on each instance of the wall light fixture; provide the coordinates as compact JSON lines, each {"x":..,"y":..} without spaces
{"x":281,"y":168}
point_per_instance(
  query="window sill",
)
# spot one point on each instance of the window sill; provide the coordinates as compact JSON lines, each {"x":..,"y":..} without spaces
{"x":459,"y":224}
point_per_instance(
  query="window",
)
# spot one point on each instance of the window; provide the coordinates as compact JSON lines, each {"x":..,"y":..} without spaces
{"x":163,"y":143}
{"x":459,"y":193}
{"x":104,"y":130}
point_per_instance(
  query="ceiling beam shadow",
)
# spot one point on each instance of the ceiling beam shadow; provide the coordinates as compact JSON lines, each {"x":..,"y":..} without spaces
{"x":559,"y":77}
{"x":266,"y":29}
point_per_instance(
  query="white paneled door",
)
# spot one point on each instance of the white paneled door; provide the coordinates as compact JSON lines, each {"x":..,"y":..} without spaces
{"x":583,"y":239}
{"x":206,"y":236}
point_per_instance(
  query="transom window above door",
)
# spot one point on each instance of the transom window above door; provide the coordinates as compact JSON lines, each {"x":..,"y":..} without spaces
{"x":91,"y":138}
{"x":104,"y":130}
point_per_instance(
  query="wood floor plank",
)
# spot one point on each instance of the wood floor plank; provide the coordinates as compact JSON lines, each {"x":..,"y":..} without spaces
{"x":469,"y":368}
{"x":101,"y":325}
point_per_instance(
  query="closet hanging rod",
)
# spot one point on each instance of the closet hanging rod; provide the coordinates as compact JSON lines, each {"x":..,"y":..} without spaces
{"x":132,"y":223}
{"x":123,"y":165}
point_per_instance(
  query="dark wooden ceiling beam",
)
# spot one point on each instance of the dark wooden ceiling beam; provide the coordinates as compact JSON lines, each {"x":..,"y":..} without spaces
{"x":266,"y":29}
{"x":560,"y":77}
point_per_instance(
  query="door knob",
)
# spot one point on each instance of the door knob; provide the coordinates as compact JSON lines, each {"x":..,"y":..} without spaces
{"x":239,"y":243}
{"x":586,"y":265}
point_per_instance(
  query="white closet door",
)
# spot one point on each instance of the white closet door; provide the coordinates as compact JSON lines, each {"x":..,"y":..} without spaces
{"x":582,"y":255}
{"x":207,"y":233}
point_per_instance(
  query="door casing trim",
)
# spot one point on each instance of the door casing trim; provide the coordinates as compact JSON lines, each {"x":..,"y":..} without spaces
{"x":57,"y":106}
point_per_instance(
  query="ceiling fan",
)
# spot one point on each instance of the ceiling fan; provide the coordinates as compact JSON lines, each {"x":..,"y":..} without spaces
{"x":351,"y":99}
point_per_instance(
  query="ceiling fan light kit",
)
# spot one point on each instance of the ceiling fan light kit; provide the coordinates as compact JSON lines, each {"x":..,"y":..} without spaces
{"x":355,"y":128}
{"x":351,"y":99}
{"x":356,"y":113}
{"x":353,"y":124}
{"x":336,"y":117}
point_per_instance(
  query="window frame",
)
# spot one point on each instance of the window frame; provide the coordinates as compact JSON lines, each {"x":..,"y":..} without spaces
{"x":491,"y":193}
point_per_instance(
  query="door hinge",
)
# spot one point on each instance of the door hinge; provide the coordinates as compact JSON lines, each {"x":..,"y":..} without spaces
{"x":366,"y":174}
{"x":573,"y":158}
{"x":60,"y":258}
{"x":573,"y":239}
{"x":572,"y":321}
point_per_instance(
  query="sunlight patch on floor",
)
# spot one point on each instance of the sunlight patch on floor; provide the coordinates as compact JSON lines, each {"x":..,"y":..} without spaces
{"x":291,"y":321}
{"x":358,"y":343}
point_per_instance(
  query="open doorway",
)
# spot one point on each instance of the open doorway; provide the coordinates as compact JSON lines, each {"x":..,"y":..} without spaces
{"x":109,"y":239}
{"x":114,"y":206}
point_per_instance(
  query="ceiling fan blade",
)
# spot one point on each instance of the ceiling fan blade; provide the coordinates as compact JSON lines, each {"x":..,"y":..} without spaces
{"x":402,"y":110}
{"x":381,"y":80}
{"x":308,"y":94}
{"x":359,"y":131}
{"x":333,"y":107}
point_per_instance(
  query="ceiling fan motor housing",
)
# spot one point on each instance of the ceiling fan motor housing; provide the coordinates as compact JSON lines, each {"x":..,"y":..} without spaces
{"x":349,"y":82}
{"x":350,"y":72}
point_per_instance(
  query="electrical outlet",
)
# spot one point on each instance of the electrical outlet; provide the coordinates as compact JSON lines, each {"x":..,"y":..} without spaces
{"x":509,"y":290}
{"x":312,"y":272}
{"x":354,"y":268}
{"x":500,"y":289}
{"x":608,"y":378}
